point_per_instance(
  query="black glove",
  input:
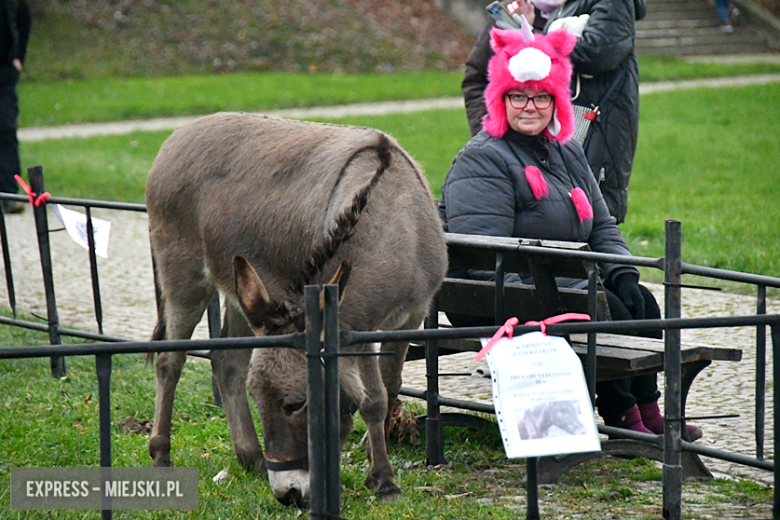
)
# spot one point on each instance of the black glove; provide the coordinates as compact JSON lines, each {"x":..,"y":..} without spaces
{"x":627,"y":289}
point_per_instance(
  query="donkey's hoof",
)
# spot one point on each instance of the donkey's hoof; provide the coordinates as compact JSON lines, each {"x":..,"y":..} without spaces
{"x":388,"y":493}
{"x":371,"y":483}
{"x":254,"y":462}
{"x":160,"y":451}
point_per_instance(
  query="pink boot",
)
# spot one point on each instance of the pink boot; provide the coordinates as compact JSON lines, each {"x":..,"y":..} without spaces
{"x":630,"y":420}
{"x":654,"y":421}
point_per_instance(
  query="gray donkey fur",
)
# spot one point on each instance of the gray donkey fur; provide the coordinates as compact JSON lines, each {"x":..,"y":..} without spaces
{"x":296,"y":200}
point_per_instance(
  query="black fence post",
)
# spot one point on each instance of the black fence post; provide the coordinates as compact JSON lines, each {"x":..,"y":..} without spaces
{"x":103,"y":368}
{"x":591,"y":368}
{"x":93,"y":270}
{"x":35,"y":175}
{"x":532,"y":488}
{"x":672,"y":467}
{"x":775,"y":331}
{"x":316,"y":403}
{"x":332,"y":405}
{"x":760,"y":375}
{"x":498,"y":313}
{"x":9,"y":278}
{"x":215,"y":331}
{"x":434,"y":440}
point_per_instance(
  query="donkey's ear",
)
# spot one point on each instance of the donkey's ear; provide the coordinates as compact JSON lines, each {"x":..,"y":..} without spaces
{"x":251,"y":292}
{"x":342,"y":277}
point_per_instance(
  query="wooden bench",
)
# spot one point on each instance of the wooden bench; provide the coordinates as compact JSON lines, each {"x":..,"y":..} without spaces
{"x":614,"y":356}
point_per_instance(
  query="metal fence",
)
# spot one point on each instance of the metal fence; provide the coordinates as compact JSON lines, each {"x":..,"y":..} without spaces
{"x":323,"y":355}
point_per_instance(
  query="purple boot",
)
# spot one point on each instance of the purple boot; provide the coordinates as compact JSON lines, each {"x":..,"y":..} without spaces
{"x":630,"y":420}
{"x":654,"y":421}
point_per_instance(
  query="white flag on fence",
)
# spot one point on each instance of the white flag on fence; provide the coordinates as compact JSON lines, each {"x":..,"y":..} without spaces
{"x":541,"y":397}
{"x":76,"y":225}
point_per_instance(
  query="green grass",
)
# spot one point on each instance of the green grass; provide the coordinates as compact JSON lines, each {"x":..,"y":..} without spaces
{"x":55,"y":423}
{"x":61,"y":102}
{"x":670,"y":68}
{"x":708,"y":158}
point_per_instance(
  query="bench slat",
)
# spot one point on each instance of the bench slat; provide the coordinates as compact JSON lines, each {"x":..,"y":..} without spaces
{"x":612,"y":362}
{"x":477,"y":298}
{"x":480,"y":253}
{"x":690,"y":351}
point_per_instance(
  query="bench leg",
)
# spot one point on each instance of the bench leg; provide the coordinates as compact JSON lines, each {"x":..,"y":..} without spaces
{"x":693,"y":467}
{"x":689,"y":373}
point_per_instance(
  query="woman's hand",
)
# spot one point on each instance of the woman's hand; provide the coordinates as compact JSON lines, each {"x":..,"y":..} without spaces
{"x":627,"y":289}
{"x":522,"y":7}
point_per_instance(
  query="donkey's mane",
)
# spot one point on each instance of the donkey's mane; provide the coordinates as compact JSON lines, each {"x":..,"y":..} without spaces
{"x":346,"y":220}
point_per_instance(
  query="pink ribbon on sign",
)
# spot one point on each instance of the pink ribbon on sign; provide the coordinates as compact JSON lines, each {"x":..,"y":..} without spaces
{"x":28,"y":190}
{"x":508,"y":328}
{"x":558,"y":319}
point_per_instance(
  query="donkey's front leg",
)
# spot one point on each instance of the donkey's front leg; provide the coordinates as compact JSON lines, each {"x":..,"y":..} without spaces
{"x":231,"y":368}
{"x":373,"y":410}
{"x":169,"y":367}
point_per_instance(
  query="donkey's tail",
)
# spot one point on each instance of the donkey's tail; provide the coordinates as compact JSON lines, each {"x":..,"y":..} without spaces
{"x":160,"y":327}
{"x":158,"y":334}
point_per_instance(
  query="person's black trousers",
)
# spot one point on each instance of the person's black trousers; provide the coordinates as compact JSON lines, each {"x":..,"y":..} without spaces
{"x":616,"y":397}
{"x":9,"y":145}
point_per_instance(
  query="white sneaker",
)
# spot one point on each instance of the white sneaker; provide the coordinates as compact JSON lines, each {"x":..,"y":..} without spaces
{"x":727,"y":28}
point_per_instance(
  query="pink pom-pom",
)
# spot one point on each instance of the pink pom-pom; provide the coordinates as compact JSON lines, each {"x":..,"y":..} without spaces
{"x":581,"y":204}
{"x":536,"y":180}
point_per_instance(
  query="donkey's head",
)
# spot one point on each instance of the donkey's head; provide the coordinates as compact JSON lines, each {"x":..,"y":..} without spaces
{"x":278,"y":383}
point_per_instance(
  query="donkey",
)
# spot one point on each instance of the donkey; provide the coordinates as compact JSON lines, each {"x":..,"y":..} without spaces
{"x":256,"y":207}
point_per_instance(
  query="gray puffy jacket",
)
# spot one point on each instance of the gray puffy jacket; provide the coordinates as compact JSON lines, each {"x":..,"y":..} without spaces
{"x":486,"y":193}
{"x":605,"y":49}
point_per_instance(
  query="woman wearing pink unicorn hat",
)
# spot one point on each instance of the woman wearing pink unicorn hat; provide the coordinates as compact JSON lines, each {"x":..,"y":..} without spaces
{"x":606,"y":74}
{"x":523,"y":176}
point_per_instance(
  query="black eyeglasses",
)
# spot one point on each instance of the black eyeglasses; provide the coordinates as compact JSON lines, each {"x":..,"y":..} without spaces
{"x":519,"y":101}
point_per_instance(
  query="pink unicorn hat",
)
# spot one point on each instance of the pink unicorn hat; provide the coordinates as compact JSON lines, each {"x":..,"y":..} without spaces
{"x":524,"y":60}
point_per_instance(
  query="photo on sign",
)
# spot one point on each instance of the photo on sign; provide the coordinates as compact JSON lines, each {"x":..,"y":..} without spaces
{"x":550,"y":419}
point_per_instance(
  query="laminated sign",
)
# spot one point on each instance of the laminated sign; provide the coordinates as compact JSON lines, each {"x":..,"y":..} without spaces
{"x":541,"y":397}
{"x":76,"y":225}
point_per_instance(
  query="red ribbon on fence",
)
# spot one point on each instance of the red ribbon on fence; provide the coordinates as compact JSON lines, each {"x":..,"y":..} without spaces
{"x":34,"y":197}
{"x":508,"y":328}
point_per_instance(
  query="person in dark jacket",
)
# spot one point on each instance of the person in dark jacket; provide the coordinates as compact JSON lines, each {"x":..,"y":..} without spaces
{"x":603,"y":57}
{"x":523,"y":176}
{"x":15,"y":26}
